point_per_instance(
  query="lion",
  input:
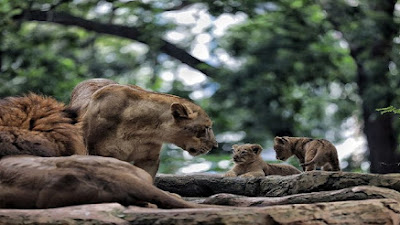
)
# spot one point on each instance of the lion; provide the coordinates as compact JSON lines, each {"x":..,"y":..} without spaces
{"x":31,"y":182}
{"x":38,"y":125}
{"x":311,"y":153}
{"x":248,"y":163}
{"x":131,"y":124}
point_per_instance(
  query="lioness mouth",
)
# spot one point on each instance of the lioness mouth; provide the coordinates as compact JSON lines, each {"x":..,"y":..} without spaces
{"x":192,"y":151}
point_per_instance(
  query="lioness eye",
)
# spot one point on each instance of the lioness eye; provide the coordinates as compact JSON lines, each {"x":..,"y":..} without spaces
{"x":203,"y":132}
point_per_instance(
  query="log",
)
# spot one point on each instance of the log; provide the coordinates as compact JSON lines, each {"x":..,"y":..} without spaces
{"x":347,"y":194}
{"x":376,"y":211}
{"x":201,"y":185}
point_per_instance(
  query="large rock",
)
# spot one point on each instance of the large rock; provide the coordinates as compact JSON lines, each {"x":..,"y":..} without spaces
{"x":377,"y":211}
{"x":308,"y":198}
{"x":201,"y":185}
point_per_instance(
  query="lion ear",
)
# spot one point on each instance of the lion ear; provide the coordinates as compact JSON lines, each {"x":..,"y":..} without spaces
{"x":180,"y":111}
{"x":235,"y":146}
{"x":279,"y":140}
{"x":256,"y":148}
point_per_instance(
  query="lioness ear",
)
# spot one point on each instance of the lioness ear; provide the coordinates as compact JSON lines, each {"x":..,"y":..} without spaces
{"x":256,"y":148}
{"x":235,"y":146}
{"x":180,"y":111}
{"x":279,"y":140}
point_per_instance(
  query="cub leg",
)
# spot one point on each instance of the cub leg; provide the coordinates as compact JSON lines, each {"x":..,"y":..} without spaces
{"x":230,"y":173}
{"x":310,"y":158}
{"x":335,"y":163}
{"x":254,"y":174}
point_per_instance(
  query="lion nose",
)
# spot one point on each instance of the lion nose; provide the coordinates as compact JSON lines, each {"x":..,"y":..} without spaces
{"x":215,"y":146}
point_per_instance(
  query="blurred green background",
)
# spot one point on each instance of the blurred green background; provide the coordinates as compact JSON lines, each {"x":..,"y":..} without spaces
{"x":259,"y":68}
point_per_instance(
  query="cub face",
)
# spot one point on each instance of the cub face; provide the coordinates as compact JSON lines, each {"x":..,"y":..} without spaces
{"x":246,"y":153}
{"x":282,"y":148}
{"x":192,"y":128}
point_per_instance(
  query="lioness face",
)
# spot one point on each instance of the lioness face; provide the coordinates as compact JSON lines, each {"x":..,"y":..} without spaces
{"x":282,"y":148}
{"x":245,"y":153}
{"x":193,"y":130}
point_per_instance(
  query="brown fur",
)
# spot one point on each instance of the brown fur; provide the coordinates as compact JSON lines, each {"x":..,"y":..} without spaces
{"x":47,"y":182}
{"x":248,"y":163}
{"x":37,"y":125}
{"x":129,"y":123}
{"x":311,"y":153}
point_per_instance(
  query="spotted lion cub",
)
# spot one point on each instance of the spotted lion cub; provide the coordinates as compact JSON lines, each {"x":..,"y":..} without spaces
{"x":248,"y":163}
{"x":311,"y":153}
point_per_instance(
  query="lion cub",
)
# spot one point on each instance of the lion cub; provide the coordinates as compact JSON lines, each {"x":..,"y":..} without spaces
{"x":312,"y":153}
{"x":248,"y":163}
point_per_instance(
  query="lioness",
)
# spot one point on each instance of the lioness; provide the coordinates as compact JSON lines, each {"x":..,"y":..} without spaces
{"x":248,"y":163}
{"x":46,"y":182}
{"x":312,"y":153}
{"x":129,"y":123}
{"x":38,"y":125}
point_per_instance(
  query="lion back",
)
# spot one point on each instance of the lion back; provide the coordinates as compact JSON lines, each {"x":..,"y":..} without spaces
{"x":37,"y":125}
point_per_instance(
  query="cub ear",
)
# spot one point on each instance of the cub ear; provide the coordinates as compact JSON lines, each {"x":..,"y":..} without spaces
{"x":235,"y":146}
{"x":279,"y":140}
{"x":180,"y":111}
{"x":256,"y":148}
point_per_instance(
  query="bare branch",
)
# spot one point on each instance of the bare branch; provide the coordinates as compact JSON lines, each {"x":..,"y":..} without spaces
{"x":120,"y":31}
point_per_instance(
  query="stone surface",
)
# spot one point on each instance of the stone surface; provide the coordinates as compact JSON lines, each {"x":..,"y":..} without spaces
{"x":347,"y":194}
{"x":376,"y":211}
{"x":200,"y":185}
{"x":309,"y":198}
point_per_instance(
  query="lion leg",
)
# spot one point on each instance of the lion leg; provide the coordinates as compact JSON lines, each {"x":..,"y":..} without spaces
{"x":253,"y":174}
{"x":148,"y":165}
{"x":230,"y":173}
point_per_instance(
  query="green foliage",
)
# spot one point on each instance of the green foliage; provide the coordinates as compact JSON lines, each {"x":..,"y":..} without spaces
{"x":291,"y":83}
{"x":390,"y":109}
{"x":294,"y":64}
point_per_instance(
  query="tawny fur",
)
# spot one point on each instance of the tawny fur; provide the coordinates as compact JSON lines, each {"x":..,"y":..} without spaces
{"x":248,"y":163}
{"x":46,"y":182}
{"x":38,"y":125}
{"x":131,"y":124}
{"x":311,"y":153}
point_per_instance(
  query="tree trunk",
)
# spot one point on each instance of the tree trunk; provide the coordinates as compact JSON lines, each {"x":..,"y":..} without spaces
{"x":373,"y":70}
{"x":272,"y":186}
{"x":382,"y":143}
{"x":376,"y":211}
{"x":372,"y":55}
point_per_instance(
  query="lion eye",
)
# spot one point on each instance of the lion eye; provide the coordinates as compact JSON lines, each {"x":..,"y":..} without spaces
{"x":202,"y":133}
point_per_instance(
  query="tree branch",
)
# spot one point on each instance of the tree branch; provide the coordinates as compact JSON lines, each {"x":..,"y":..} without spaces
{"x":120,"y":31}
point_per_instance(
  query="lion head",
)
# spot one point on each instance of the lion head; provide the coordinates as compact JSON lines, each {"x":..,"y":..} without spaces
{"x":246,"y":153}
{"x":191,"y":129}
{"x":282,"y":148}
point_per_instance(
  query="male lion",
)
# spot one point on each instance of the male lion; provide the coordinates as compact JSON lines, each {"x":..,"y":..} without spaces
{"x":311,"y":153}
{"x":248,"y":163}
{"x":46,"y":182}
{"x":129,"y":123}
{"x":37,"y":125}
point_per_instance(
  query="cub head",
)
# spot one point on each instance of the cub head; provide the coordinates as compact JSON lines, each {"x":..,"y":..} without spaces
{"x":282,"y":148}
{"x":192,"y":129}
{"x":246,"y":153}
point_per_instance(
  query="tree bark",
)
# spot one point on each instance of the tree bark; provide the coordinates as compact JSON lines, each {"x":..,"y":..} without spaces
{"x":376,"y":211}
{"x":272,"y":186}
{"x":120,"y":31}
{"x":372,"y":55}
{"x":347,"y":194}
